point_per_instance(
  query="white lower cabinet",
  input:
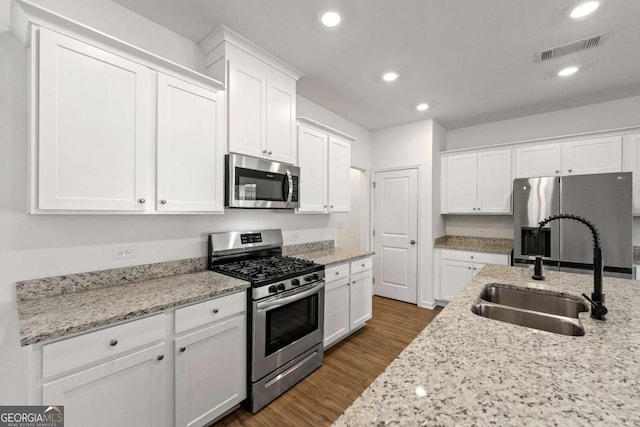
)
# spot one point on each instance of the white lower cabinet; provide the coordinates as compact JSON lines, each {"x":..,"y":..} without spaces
{"x":127,"y":375}
{"x":210,"y":371}
{"x":127,"y":391}
{"x":455,"y":269}
{"x":347,"y":300}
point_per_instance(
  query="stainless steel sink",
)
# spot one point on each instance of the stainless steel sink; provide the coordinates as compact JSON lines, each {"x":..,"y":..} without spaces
{"x":543,"y":310}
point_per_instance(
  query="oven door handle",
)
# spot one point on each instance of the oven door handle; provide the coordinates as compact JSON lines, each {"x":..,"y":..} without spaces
{"x":290,"y":182}
{"x":270,"y":305}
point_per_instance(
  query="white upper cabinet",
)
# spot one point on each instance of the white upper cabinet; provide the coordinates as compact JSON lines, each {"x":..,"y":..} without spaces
{"x":190,"y":160}
{"x":98,"y":119}
{"x":312,"y":159}
{"x":94,"y":138}
{"x":324,"y":157}
{"x":579,"y":157}
{"x":339,"y":175}
{"x":596,"y":155}
{"x":538,"y":160}
{"x":261,"y":93}
{"x":477,"y":182}
{"x":631,"y":156}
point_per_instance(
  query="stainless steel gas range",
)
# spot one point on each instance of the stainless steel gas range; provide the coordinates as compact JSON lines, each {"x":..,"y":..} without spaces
{"x":286,"y":319}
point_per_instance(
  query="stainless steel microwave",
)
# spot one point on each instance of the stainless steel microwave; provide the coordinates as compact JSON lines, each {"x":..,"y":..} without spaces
{"x":259,"y":183}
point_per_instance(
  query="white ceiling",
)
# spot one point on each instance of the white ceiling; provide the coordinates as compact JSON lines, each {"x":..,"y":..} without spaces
{"x":471,"y":60}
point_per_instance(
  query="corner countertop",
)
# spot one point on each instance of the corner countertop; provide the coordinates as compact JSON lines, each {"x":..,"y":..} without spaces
{"x":55,"y":316}
{"x":334,"y":256}
{"x":463,"y":369}
{"x":475,"y":244}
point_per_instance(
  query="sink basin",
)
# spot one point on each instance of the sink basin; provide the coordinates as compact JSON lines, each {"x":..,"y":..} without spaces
{"x":546,"y":311}
{"x":527,"y":299}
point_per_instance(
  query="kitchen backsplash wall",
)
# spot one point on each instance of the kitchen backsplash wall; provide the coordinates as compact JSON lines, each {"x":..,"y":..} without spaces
{"x":498,"y":226}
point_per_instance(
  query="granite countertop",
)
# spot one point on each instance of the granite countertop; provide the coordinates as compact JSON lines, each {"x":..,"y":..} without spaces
{"x":464,"y":369}
{"x":53,"y":316}
{"x":333,"y":256}
{"x":475,"y":244}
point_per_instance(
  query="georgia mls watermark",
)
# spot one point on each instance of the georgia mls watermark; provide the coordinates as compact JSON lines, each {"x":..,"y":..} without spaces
{"x":32,"y":416}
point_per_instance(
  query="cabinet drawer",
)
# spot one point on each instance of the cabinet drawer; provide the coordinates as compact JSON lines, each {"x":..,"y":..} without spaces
{"x":479,"y":257}
{"x":361,"y":265}
{"x":76,"y":352}
{"x":210,"y":311}
{"x":336,"y":272}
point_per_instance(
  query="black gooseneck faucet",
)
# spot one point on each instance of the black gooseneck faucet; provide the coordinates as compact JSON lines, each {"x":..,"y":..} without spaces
{"x":598,"y":310}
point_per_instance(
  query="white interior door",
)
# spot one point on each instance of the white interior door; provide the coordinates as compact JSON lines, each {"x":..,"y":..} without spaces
{"x":396,"y":231}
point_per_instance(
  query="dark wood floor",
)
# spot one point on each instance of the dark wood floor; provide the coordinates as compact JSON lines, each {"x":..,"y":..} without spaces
{"x":348,"y":369}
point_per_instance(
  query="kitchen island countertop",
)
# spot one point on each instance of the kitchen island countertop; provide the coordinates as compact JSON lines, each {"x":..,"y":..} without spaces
{"x":464,"y":369}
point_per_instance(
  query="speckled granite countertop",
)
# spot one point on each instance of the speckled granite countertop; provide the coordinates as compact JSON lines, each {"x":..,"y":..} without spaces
{"x":53,"y":316}
{"x":463,"y":369}
{"x":475,"y":244}
{"x":333,"y":256}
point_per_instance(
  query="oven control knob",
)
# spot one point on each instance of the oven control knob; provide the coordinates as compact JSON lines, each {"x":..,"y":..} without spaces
{"x":315,"y":276}
{"x":308,"y":278}
{"x":295,"y":282}
{"x":272,"y":289}
{"x":281,"y":287}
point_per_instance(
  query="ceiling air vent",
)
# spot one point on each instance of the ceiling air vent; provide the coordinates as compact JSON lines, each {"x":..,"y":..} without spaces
{"x":565,"y":49}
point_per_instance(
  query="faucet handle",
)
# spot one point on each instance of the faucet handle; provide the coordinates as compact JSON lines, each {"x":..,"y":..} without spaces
{"x":598,"y":310}
{"x":537,"y":269}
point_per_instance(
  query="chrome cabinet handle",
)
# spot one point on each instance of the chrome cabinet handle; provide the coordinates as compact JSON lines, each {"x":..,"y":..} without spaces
{"x":164,"y":202}
{"x":183,"y":349}
{"x":214,"y":311}
{"x":570,"y":170}
{"x":264,"y":151}
{"x":270,"y":153}
{"x":331,"y":206}
{"x":113,"y":343}
{"x":141,"y":200}
{"x":474,"y":209}
{"x":337,"y":273}
{"x":160,"y":356}
{"x":478,"y":208}
{"x":468,"y":268}
{"x":413,"y":242}
{"x":557,"y":171}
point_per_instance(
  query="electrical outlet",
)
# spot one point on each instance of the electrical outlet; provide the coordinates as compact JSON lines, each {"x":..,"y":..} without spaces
{"x":123,"y":253}
{"x":482,"y":233}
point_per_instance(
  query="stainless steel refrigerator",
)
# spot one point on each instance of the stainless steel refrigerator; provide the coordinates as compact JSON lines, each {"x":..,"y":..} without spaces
{"x":603,"y":199}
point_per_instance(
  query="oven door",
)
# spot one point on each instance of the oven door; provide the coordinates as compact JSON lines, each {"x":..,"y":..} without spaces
{"x":259,"y":183}
{"x":285,"y":326}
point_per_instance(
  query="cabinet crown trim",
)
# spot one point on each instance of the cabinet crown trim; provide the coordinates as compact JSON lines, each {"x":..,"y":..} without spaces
{"x":28,"y":14}
{"x":310,"y":122}
{"x":224,"y":34}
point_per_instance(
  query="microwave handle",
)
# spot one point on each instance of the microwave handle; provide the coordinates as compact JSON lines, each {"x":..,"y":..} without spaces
{"x":290,"y":185}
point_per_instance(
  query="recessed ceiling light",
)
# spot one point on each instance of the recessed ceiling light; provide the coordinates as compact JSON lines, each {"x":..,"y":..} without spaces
{"x":583,"y":9}
{"x":422,"y":107}
{"x":390,"y":76}
{"x":567,"y":71}
{"x":330,"y":18}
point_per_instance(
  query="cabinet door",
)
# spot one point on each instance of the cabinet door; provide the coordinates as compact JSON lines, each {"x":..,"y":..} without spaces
{"x":631,"y":158}
{"x":312,"y":159}
{"x":336,"y":311}
{"x":460,"y":177}
{"x":339,"y":175}
{"x":281,"y":119}
{"x":475,"y":269}
{"x":190,"y":158}
{"x":210,"y":372}
{"x":596,"y":155}
{"x":93,"y":127}
{"x":247,"y":115}
{"x":454,"y":276}
{"x":538,"y":160}
{"x":360,"y":299}
{"x":494,"y":182}
{"x":128,"y":391}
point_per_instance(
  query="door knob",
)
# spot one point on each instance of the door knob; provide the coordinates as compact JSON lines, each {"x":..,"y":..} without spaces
{"x":413,"y":242}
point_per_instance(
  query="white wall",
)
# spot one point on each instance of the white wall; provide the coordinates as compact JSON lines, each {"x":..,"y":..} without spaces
{"x":5,"y":15}
{"x":616,"y":114}
{"x":120,"y":22}
{"x":413,"y":145}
